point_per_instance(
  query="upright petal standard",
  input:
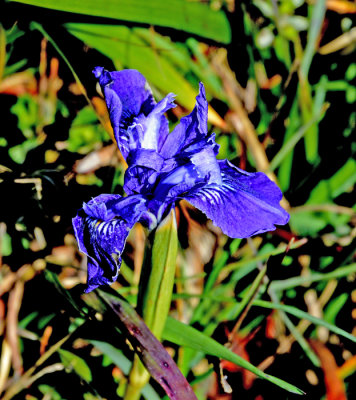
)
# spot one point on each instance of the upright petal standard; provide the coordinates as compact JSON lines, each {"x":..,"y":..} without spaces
{"x":164,"y":168}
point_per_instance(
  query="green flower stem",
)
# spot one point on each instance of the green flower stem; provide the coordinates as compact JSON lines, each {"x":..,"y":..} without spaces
{"x":138,"y":378}
{"x":157,"y":281}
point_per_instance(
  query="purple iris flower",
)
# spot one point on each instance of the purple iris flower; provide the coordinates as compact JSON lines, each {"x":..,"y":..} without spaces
{"x":164,"y":168}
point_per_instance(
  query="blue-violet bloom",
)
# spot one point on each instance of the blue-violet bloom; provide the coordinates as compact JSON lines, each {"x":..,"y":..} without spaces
{"x":164,"y":168}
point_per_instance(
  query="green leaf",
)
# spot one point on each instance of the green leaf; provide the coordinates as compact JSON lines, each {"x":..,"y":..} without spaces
{"x":127,"y":49}
{"x":342,"y":181}
{"x":53,"y":279}
{"x":315,"y":26}
{"x":292,"y":139}
{"x":115,"y":355}
{"x":70,"y":360}
{"x":26,"y":110}
{"x":6,"y":246}
{"x":180,"y":57}
{"x":184,"y":335}
{"x":19,"y":152}
{"x":44,"y":321}
{"x":190,"y":16}
{"x":50,"y":393}
{"x":281,"y":47}
{"x":334,"y":307}
{"x":307,"y":223}
{"x":26,"y":320}
{"x":85,"y":133}
{"x":311,"y":222}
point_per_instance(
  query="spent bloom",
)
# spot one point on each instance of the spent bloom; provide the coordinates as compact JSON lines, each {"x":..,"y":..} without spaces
{"x":164,"y":168}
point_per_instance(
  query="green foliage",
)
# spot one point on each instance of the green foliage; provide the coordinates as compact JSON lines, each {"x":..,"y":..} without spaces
{"x":75,"y":363}
{"x":193,"y":17}
{"x":50,"y":392}
{"x":310,"y":223}
{"x":85,"y":132}
{"x":6,"y":249}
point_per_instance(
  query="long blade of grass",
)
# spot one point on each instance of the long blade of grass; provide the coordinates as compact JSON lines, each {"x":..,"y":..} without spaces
{"x":274,"y":306}
{"x":304,"y":315}
{"x":316,"y":22}
{"x":184,"y":335}
{"x":313,"y":277}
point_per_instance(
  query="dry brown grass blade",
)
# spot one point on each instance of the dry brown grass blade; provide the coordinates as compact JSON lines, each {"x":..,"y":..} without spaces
{"x":14,"y":304}
{"x":45,"y":338}
{"x":341,"y":6}
{"x":347,"y":368}
{"x":242,"y":125}
{"x":25,"y":273}
{"x":19,"y":84}
{"x":347,"y":39}
{"x":5,"y":364}
{"x":96,"y":159}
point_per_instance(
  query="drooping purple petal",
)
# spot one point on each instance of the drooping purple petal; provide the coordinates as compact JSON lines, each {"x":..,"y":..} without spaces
{"x":245,"y":204}
{"x":127,"y":95}
{"x":101,"y":228}
{"x":191,"y":128}
{"x":131,"y":87}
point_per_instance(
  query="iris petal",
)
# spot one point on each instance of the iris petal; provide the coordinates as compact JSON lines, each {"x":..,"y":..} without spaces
{"x":103,"y":240}
{"x":155,"y":125}
{"x":245,"y":204}
{"x":191,"y":128}
{"x":127,"y":96}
